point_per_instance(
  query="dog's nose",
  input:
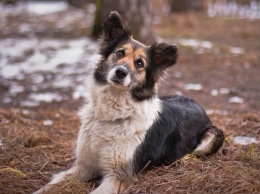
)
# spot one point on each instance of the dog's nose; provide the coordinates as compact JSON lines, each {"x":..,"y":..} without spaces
{"x":121,"y":72}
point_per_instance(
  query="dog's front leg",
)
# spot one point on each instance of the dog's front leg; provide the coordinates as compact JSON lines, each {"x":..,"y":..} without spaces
{"x":77,"y":172}
{"x":110,"y":185}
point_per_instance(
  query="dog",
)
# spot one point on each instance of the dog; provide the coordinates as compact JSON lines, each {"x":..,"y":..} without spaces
{"x":126,"y":128}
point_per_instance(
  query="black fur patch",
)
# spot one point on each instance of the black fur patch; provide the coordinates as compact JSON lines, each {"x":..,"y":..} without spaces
{"x":160,"y":57}
{"x":100,"y":73}
{"x":176,"y":132}
{"x":163,"y":55}
{"x":115,"y":30}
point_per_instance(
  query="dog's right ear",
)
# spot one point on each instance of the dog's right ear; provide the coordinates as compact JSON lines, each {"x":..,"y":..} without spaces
{"x":115,"y":29}
{"x":164,"y":55}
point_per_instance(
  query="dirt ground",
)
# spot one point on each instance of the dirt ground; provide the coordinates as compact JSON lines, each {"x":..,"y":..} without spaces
{"x":36,"y":142}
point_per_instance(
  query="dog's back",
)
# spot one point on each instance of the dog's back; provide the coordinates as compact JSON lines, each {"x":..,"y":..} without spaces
{"x":182,"y":127}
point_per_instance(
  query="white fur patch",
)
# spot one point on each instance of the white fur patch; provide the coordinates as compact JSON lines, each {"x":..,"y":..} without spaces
{"x":205,"y":145}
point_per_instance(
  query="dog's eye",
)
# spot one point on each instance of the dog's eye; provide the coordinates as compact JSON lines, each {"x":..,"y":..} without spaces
{"x":139,"y":64}
{"x":120,"y":54}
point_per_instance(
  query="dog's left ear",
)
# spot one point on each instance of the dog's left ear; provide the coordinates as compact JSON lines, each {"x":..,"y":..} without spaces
{"x":115,"y":29}
{"x":164,"y":55}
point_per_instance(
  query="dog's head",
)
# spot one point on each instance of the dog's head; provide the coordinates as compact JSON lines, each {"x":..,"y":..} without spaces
{"x":127,"y":64}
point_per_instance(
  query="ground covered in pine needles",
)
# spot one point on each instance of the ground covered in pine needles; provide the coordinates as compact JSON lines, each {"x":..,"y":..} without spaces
{"x":32,"y":152}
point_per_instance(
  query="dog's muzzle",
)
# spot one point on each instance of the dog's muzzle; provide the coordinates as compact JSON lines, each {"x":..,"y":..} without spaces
{"x":119,"y":76}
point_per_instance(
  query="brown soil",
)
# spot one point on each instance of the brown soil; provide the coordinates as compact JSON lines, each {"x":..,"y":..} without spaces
{"x":32,"y":152}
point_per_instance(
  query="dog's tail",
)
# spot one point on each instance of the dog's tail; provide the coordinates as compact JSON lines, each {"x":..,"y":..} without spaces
{"x":210,"y":142}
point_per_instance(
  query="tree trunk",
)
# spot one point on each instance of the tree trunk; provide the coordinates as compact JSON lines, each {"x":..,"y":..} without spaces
{"x":136,"y":12}
{"x":187,"y":5}
{"x":79,"y":3}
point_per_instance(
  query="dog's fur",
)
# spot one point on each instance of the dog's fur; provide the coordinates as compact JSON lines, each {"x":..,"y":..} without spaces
{"x":125,"y":127}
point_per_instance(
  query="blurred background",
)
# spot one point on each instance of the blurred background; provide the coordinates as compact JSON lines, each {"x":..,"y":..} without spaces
{"x":47,"y":49}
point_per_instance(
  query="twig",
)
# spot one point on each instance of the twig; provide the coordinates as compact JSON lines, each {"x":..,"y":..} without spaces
{"x":43,"y":166}
{"x":137,"y":176}
{"x":93,"y":187}
{"x":30,"y":167}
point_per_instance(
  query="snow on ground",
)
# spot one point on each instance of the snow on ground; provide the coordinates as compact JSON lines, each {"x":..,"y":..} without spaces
{"x":204,"y":46}
{"x":232,"y":9}
{"x":245,"y":140}
{"x":46,"y":63}
{"x":36,"y":7}
{"x":47,"y":7}
{"x":43,"y":69}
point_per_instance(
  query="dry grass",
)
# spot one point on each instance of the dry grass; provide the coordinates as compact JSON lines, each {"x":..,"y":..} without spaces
{"x":32,"y":152}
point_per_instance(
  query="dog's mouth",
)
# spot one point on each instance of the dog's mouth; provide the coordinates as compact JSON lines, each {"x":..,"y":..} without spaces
{"x":116,"y":81}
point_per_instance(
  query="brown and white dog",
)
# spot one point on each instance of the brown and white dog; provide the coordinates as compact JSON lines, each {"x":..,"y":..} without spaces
{"x":126,"y":127}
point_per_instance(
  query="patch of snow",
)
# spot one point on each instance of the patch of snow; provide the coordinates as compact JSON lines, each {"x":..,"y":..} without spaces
{"x":20,"y":77}
{"x":29,"y":103}
{"x":45,"y":97}
{"x":80,"y":78}
{"x":244,"y":140}
{"x":67,"y":52}
{"x":192,"y":86}
{"x":7,"y":100}
{"x":14,"y":89}
{"x":214,"y":92}
{"x":236,"y":99}
{"x":9,"y":71}
{"x":1,"y":144}
{"x":80,"y":91}
{"x":233,"y":9}
{"x":47,"y":7}
{"x":24,"y":28}
{"x":196,"y":43}
{"x":47,"y":122}
{"x":236,"y":50}
{"x":46,"y":63}
{"x":218,"y":112}
{"x":65,"y":56}
{"x":15,"y":47}
{"x":63,"y":83}
{"x":37,"y":58}
{"x":25,"y":112}
{"x":224,"y":90}
{"x":37,"y":78}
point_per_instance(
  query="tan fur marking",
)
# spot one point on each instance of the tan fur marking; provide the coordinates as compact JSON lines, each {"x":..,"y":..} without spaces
{"x":128,"y":48}
{"x":132,"y":55}
{"x":140,"y":53}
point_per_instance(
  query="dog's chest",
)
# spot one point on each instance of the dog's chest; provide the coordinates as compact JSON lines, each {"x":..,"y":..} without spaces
{"x":113,"y":126}
{"x":110,"y":142}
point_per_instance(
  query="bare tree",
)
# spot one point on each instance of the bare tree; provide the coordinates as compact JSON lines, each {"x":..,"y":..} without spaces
{"x":136,"y":12}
